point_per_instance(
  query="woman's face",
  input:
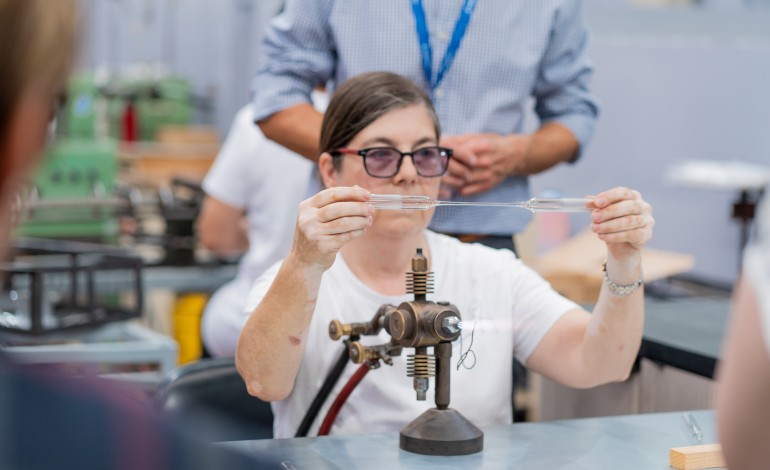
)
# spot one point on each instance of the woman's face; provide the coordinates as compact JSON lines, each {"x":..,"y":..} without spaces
{"x":406,"y":129}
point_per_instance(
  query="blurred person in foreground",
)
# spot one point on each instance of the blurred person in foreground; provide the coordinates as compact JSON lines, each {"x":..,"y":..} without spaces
{"x":48,"y":420}
{"x":743,"y":377}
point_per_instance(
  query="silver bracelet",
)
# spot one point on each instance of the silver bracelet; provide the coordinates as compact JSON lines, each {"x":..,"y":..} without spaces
{"x":618,"y":289}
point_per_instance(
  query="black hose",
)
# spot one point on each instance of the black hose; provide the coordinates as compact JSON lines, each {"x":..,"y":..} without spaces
{"x":323,"y":393}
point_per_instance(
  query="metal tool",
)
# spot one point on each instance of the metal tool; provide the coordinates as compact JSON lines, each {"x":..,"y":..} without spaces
{"x":535,"y":204}
{"x":693,"y":427}
{"x":56,"y":285}
{"x":420,"y":324}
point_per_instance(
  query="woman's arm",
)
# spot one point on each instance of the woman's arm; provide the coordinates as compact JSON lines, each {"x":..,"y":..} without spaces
{"x":272,"y":342}
{"x":585,"y":350}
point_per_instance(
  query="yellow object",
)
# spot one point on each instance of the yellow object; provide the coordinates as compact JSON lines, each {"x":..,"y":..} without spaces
{"x":696,"y":457}
{"x":187,"y":325}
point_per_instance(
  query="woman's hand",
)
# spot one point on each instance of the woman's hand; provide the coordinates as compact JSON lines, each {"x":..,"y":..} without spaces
{"x":623,"y":220}
{"x":327,"y":221}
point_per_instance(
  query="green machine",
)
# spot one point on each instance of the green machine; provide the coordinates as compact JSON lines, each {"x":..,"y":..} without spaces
{"x":97,"y":109}
{"x":72,"y":194}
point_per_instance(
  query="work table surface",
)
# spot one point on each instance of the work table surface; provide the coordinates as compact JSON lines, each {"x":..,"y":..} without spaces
{"x":628,"y":442}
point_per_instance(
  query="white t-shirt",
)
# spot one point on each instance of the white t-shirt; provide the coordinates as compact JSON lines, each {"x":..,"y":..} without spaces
{"x":509,"y":306}
{"x":268,"y":182}
{"x":756,"y":262}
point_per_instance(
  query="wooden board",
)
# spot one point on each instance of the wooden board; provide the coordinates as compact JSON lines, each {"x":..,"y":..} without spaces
{"x":696,"y":457}
{"x":187,"y":135}
{"x":574,"y":269}
{"x":156,"y":164}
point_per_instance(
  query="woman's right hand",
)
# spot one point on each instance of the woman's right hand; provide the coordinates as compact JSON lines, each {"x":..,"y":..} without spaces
{"x":327,"y":221}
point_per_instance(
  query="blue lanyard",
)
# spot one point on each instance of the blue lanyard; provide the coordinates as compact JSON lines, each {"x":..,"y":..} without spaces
{"x":454,"y":43}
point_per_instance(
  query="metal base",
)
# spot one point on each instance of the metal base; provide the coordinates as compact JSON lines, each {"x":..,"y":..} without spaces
{"x":441,"y":432}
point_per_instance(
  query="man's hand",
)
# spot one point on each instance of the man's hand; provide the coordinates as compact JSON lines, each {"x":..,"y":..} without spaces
{"x":481,"y":161}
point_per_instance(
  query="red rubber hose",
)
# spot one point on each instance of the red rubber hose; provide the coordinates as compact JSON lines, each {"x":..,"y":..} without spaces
{"x":331,"y":415}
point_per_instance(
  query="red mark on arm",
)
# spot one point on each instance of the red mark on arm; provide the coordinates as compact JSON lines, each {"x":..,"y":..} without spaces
{"x":294,"y":340}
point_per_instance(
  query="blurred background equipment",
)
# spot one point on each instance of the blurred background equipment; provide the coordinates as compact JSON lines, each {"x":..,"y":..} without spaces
{"x":125,"y":169}
{"x":71,"y":195}
{"x":53,"y":286}
{"x":68,"y":304}
{"x":123,"y":175}
{"x":128,"y":107}
{"x":747,"y":180}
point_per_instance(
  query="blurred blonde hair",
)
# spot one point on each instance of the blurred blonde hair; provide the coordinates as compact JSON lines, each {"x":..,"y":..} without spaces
{"x":37,"y":42}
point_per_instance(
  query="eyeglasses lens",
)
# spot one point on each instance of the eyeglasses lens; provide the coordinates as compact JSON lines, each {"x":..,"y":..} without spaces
{"x":430,"y":161}
{"x":384,"y":162}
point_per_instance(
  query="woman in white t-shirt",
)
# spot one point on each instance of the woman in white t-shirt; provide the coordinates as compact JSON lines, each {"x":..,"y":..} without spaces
{"x":743,"y":395}
{"x":346,"y":261}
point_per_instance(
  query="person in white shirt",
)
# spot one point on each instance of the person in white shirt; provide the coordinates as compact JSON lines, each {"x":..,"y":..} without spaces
{"x":346,"y":261}
{"x":252,"y":193}
{"x":743,"y":394}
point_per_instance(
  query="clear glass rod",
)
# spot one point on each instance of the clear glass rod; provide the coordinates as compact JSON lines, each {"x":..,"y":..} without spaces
{"x":535,"y":204}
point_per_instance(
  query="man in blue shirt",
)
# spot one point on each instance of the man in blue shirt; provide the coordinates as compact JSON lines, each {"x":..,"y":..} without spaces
{"x":481,"y":61}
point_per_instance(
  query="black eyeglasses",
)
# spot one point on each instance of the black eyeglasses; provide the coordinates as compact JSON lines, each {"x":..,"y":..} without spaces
{"x":384,"y":162}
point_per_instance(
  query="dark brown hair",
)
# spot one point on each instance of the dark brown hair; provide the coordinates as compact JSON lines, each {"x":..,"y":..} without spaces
{"x":365,"y":98}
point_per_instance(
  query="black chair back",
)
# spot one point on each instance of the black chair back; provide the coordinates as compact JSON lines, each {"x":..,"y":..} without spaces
{"x":209,"y":398}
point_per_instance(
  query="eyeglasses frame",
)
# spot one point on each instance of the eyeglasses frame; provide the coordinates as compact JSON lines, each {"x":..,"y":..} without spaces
{"x":362,"y":153}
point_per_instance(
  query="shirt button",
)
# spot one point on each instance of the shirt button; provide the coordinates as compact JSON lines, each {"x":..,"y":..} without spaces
{"x":443,"y":35}
{"x":439,"y":92}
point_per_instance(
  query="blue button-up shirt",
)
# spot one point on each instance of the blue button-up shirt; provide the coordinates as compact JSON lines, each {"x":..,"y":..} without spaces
{"x":512,"y":50}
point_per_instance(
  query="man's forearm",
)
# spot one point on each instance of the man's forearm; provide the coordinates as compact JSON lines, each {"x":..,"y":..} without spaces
{"x":297,"y":128}
{"x":550,"y":145}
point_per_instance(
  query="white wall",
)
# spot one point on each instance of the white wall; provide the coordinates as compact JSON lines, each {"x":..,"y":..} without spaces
{"x":676,"y":85}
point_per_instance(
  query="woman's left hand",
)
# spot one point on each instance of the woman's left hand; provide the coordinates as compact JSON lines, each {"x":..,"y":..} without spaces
{"x":623,"y":220}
